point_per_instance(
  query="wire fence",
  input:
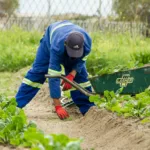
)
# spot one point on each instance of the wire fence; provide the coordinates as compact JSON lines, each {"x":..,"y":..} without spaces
{"x":93,"y":15}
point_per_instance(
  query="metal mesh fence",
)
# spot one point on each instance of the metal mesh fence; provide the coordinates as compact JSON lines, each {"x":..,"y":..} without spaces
{"x":106,"y":15}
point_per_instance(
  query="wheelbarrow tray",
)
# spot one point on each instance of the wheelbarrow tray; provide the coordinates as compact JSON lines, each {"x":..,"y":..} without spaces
{"x":133,"y":81}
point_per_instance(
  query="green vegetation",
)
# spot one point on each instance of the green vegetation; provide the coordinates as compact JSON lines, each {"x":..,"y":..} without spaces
{"x":137,"y":106}
{"x":15,"y":130}
{"x":17,"y":48}
{"x":110,"y":52}
{"x":10,"y":81}
{"x":117,"y":52}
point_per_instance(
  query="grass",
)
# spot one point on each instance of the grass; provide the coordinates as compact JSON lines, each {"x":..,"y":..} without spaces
{"x":115,"y":52}
{"x":110,"y":52}
{"x":10,"y":81}
{"x":17,"y":48}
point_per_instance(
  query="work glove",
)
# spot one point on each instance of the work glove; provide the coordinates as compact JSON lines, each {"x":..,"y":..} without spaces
{"x":66,"y":85}
{"x":61,"y":112}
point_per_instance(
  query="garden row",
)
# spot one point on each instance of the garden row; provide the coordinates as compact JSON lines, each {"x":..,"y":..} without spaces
{"x":16,"y":131}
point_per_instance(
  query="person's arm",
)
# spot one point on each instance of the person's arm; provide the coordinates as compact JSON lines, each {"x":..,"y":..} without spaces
{"x":56,"y":102}
{"x":73,"y":72}
{"x":70,"y":76}
{"x":54,"y":84}
{"x":54,"y":69}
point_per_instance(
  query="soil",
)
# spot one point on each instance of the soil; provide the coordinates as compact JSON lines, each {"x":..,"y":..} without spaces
{"x":100,"y":129}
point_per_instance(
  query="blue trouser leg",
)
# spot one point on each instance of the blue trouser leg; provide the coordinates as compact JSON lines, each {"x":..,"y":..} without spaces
{"x":81,"y":100}
{"x":35,"y":75}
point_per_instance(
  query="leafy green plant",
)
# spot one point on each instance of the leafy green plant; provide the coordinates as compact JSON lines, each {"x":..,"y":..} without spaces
{"x":15,"y":130}
{"x":138,"y":106}
{"x":141,"y":57}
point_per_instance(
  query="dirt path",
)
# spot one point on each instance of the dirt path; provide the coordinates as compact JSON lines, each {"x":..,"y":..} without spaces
{"x":100,"y":129}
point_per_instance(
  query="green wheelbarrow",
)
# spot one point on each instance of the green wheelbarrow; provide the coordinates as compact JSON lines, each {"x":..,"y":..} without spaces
{"x":132,"y":81}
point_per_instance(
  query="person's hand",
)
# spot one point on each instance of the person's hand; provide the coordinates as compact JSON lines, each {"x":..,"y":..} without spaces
{"x":66,"y":85}
{"x":61,"y":112}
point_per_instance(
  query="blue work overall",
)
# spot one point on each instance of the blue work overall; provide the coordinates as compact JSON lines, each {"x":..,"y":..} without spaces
{"x":51,"y":54}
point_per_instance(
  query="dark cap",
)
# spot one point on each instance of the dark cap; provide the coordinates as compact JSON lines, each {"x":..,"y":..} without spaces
{"x":74,"y":44}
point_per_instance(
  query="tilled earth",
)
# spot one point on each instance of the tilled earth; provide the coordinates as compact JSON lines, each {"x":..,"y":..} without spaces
{"x":100,"y":129}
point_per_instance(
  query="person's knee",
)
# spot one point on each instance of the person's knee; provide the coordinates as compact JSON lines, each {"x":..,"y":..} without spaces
{"x":84,"y":108}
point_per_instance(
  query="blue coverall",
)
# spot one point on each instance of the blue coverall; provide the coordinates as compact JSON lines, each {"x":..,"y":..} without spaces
{"x":50,"y":56}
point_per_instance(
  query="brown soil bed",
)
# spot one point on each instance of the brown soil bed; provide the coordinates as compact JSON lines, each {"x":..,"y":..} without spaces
{"x":100,"y":129}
